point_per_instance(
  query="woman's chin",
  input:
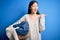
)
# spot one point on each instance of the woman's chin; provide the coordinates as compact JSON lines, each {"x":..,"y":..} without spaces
{"x":34,"y":12}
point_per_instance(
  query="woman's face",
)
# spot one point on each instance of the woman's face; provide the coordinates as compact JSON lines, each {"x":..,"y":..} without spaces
{"x":34,"y":8}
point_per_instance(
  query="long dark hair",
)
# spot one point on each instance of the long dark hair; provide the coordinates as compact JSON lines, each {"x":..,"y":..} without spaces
{"x":30,"y":4}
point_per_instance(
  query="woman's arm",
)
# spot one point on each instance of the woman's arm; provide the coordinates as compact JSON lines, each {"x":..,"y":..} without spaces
{"x":17,"y":22}
{"x":10,"y":28}
{"x":42,"y":22}
{"x":20,"y":20}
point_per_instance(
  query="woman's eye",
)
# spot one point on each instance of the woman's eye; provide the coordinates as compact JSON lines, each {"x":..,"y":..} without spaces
{"x":34,"y":6}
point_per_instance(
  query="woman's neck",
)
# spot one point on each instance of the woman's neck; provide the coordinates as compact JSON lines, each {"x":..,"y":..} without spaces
{"x":33,"y":13}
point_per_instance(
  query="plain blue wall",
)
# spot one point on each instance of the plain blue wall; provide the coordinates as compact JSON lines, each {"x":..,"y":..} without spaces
{"x":12,"y":10}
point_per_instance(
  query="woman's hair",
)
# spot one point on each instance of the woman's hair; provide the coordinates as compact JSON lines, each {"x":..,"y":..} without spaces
{"x":30,"y":4}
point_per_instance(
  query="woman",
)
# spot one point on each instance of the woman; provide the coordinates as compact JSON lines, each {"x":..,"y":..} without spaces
{"x":32,"y":18}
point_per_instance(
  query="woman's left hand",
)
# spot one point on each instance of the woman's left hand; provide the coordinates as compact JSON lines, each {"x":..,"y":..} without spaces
{"x":43,"y":15}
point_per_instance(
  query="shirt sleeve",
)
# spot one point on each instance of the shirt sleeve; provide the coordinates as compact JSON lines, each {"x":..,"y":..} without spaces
{"x":18,"y":21}
{"x":42,"y":24}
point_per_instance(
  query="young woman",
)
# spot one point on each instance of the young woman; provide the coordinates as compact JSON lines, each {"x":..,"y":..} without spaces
{"x":32,"y":18}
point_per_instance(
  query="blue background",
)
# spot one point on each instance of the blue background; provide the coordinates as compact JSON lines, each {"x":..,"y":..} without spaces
{"x":12,"y":10}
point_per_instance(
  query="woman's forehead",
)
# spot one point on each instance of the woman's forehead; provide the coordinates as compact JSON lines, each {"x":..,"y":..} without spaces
{"x":35,"y":4}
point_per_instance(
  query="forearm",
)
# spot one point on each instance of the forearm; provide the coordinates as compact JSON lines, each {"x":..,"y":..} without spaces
{"x":42,"y":24}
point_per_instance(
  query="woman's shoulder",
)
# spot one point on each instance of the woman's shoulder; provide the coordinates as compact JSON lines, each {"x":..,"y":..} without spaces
{"x":41,"y":15}
{"x":25,"y":15}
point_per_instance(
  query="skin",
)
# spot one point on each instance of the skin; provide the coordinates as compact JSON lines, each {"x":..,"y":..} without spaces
{"x":33,"y":16}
